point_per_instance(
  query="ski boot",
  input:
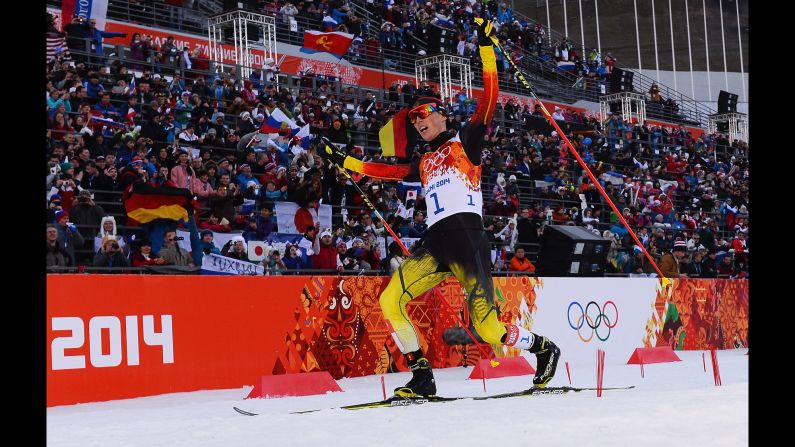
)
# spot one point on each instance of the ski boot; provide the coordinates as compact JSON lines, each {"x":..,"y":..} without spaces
{"x":422,"y":383}
{"x":547,"y":355}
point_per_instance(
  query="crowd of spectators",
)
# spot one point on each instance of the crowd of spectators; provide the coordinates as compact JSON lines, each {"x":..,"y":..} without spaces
{"x":184,"y":129}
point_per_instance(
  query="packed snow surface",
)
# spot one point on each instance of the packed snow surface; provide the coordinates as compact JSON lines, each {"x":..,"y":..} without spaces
{"x":675,"y":404}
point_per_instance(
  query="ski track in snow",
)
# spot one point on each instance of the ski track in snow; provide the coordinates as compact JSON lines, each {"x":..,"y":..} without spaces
{"x":676,"y":404}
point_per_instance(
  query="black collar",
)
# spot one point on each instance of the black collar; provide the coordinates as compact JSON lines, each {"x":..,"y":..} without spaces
{"x":440,"y":139}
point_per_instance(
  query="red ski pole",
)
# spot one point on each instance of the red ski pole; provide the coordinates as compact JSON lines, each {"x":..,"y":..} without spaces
{"x":526,"y":83}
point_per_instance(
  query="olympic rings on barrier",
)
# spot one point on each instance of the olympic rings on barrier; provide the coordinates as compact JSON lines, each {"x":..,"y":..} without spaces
{"x":593,"y":323}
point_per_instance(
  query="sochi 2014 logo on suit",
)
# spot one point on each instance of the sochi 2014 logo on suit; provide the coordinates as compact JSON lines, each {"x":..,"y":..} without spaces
{"x":595,"y":317}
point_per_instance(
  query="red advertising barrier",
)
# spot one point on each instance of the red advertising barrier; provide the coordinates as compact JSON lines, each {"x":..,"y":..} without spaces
{"x":114,"y":337}
{"x":123,"y":336}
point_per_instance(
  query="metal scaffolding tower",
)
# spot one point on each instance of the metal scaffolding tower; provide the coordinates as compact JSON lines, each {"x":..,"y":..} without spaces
{"x":445,"y":63}
{"x":240,"y":21}
{"x":738,"y":125}
{"x":632,"y":105}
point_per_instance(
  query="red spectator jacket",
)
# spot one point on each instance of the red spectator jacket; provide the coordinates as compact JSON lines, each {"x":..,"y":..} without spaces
{"x":326,"y":259}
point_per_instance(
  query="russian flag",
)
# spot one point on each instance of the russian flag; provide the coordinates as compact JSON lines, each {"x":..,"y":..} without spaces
{"x":131,"y":114}
{"x":335,"y":42}
{"x":566,"y":66}
{"x":278,"y":122}
{"x":90,"y":9}
{"x":613,"y":177}
{"x":305,"y":136}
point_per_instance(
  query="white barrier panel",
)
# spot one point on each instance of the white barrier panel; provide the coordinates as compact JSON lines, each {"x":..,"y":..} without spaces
{"x":583,"y":314}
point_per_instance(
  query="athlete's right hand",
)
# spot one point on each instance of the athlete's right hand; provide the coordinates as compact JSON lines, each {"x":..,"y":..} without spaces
{"x":329,"y":151}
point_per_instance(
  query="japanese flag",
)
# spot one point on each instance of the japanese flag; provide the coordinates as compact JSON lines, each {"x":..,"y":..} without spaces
{"x":257,"y":250}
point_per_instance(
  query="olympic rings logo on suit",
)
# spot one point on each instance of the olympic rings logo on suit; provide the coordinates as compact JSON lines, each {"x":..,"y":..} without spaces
{"x":600,"y":319}
{"x":436,"y":158}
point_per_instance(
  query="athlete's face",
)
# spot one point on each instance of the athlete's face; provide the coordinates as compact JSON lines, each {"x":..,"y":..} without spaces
{"x":431,"y":126}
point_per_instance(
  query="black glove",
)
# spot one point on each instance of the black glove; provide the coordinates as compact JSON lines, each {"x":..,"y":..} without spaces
{"x":485,"y":31}
{"x":331,"y":152}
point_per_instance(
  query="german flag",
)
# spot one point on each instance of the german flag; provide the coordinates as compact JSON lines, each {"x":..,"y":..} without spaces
{"x":145,"y":203}
{"x":397,"y":136}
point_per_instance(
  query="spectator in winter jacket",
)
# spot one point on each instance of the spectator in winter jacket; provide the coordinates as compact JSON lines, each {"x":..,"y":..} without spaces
{"x":669,"y":262}
{"x":97,"y":35}
{"x":325,"y":256}
{"x":182,"y":174}
{"x":520,"y":263}
{"x":85,"y":212}
{"x":709,"y":265}
{"x":266,"y":223}
{"x":56,"y":255}
{"x":110,"y":255}
{"x":143,"y":255}
{"x":68,"y":236}
{"x":238,"y":249}
{"x":172,"y":252}
{"x":108,"y":228}
{"x":292,"y":259}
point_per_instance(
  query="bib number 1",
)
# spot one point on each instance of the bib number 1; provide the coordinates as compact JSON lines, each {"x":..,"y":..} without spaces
{"x":436,"y":203}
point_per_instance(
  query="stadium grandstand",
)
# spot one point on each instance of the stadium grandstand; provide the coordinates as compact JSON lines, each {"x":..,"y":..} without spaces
{"x":161,"y":156}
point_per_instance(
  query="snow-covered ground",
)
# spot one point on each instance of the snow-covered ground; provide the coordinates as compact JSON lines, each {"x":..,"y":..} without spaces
{"x":675,"y":404}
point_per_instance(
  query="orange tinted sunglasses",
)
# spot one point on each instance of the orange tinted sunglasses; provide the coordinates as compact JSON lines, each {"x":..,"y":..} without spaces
{"x":423,"y":111}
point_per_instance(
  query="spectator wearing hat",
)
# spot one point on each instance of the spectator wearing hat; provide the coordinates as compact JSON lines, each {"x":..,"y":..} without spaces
{"x":188,"y":136}
{"x":108,"y":229}
{"x":110,"y":255}
{"x":56,"y":255}
{"x":669,"y":262}
{"x":237,"y":249}
{"x":142,"y":255}
{"x":325,"y":254}
{"x":246,"y":177}
{"x":346,"y":258}
{"x":85,"y":212}
{"x":68,"y":236}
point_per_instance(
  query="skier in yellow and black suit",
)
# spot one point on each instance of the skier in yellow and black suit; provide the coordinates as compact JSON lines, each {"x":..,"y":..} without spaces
{"x":456,"y":242}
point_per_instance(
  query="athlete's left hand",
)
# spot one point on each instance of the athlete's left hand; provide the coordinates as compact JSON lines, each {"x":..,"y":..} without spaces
{"x":485,"y":32}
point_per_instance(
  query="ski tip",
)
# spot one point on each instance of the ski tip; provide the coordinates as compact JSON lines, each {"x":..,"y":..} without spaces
{"x":244,"y":412}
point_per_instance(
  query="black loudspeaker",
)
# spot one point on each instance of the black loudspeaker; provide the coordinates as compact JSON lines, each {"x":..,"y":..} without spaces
{"x":727,"y":102}
{"x":621,"y":81}
{"x":615,"y":80}
{"x":568,"y":250}
{"x":626,"y":81}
